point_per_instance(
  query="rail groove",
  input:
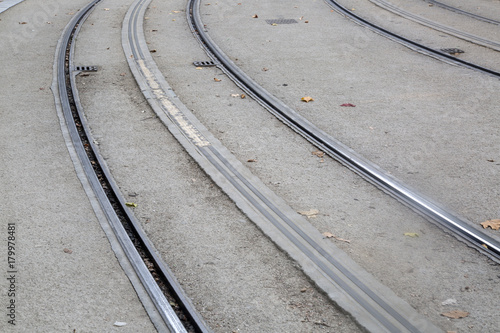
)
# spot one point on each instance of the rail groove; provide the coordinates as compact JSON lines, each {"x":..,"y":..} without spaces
{"x":150,"y":276}
{"x":372,"y":305}
{"x":345,"y":155}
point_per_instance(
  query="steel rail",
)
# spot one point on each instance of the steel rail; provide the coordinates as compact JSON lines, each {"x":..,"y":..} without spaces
{"x":437,"y":26}
{"x":6,"y":4}
{"x":463,"y":12}
{"x":337,"y":150}
{"x":408,"y":42}
{"x":110,"y":199}
{"x":372,"y":305}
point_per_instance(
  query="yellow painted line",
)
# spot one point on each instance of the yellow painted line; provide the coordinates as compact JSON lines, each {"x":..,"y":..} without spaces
{"x":192,"y":132}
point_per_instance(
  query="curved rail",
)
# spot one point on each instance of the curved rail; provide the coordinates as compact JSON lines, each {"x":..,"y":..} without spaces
{"x":6,"y":4}
{"x":372,"y":305}
{"x":409,"y":43}
{"x":126,"y":229}
{"x":436,"y":26}
{"x":341,"y":152}
{"x":463,"y":12}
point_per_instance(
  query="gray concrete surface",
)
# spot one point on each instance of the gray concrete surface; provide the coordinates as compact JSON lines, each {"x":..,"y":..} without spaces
{"x":430,"y":124}
{"x":67,"y":279}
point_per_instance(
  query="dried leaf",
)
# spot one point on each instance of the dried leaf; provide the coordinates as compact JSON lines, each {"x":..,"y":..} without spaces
{"x":306,"y":21}
{"x":152,"y":51}
{"x":243,"y":96}
{"x":493,"y":224}
{"x":318,"y":153}
{"x":217,"y":80}
{"x":330,"y":235}
{"x":23,"y":22}
{"x":252,"y":160}
{"x":275,"y":24}
{"x":123,"y":74}
{"x":303,"y":290}
{"x":255,"y":16}
{"x":106,"y":8}
{"x":411,"y":234}
{"x":199,"y":67}
{"x":68,"y":251}
{"x":131,"y":204}
{"x":348,"y":105}
{"x":455,"y":314}
{"x":309,"y":213}
{"x":307,"y":99}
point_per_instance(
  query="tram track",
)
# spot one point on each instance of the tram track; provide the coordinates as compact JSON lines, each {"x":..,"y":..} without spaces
{"x":437,"y":54}
{"x":463,"y":12}
{"x":168,"y":307}
{"x":437,"y":26}
{"x":342,"y":153}
{"x":373,"y":306}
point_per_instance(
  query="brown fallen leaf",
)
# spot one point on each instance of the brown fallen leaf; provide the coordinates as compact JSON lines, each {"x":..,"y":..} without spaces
{"x":152,"y":51}
{"x":255,"y":16}
{"x":330,"y":235}
{"x":455,"y":314}
{"x":309,"y":213}
{"x":68,"y":251}
{"x":348,"y":105}
{"x":306,"y":21}
{"x":243,"y":96}
{"x":307,"y":99}
{"x":318,"y":153}
{"x":217,"y":80}
{"x":493,"y":224}
{"x":23,"y":22}
{"x":252,"y":160}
